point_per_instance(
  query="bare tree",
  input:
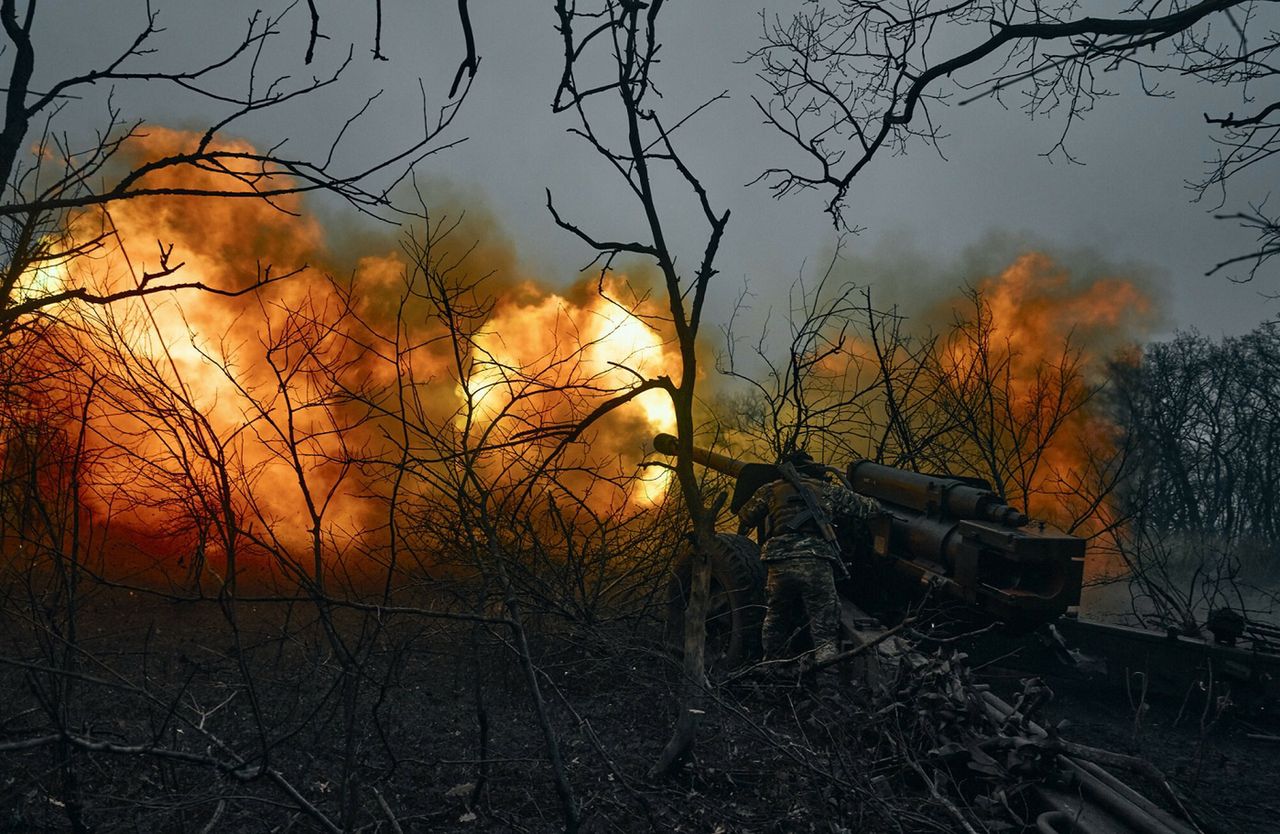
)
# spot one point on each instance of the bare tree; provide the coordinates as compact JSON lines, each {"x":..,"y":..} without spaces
{"x":1007,"y":409}
{"x":817,"y":396}
{"x":46,"y":419}
{"x":60,"y":182}
{"x":622,"y":39}
{"x":851,"y":80}
{"x":483,"y":469}
{"x":487,"y":478}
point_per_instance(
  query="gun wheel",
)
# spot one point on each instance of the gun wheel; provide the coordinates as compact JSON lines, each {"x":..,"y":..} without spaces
{"x":736,"y":608}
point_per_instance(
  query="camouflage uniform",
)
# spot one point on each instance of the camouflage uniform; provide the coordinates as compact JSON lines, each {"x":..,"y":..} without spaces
{"x":799,"y":559}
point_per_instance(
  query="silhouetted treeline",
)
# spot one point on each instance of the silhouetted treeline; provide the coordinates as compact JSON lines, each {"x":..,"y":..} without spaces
{"x":1203,"y":421}
{"x":1200,"y":429}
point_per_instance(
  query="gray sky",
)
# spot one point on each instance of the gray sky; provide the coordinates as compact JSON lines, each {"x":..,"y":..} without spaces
{"x":1127,"y":204}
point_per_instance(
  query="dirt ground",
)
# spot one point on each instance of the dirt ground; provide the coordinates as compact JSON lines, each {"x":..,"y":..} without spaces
{"x":442,"y":735}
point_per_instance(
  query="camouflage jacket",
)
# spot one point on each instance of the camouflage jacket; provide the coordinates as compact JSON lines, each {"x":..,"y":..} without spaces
{"x":839,"y":502}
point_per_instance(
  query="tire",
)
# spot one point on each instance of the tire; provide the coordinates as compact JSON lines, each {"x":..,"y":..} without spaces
{"x":737,"y":605}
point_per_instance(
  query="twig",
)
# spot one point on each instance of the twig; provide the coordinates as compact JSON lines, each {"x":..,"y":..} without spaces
{"x":209,"y":826}
{"x":937,"y":795}
{"x":386,"y":809}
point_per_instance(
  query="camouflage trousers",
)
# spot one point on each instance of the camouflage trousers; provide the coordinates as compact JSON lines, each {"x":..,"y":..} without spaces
{"x":801,"y":585}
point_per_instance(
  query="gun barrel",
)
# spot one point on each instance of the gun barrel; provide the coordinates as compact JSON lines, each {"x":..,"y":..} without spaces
{"x":932,"y":495}
{"x":748,"y":476}
{"x":666,"y":444}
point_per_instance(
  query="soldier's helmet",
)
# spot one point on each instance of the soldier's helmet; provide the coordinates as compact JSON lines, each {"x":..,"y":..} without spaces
{"x":804,"y":463}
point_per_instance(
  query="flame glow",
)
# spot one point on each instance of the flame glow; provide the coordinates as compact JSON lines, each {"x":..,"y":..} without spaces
{"x":545,"y":360}
{"x":1056,"y":331}
{"x":253,"y":367}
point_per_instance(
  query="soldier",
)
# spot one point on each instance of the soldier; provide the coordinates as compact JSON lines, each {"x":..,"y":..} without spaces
{"x":797,"y":553}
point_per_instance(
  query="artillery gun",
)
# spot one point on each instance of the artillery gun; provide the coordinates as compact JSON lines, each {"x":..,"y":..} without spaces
{"x":952,"y":534}
{"x":960,"y":538}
